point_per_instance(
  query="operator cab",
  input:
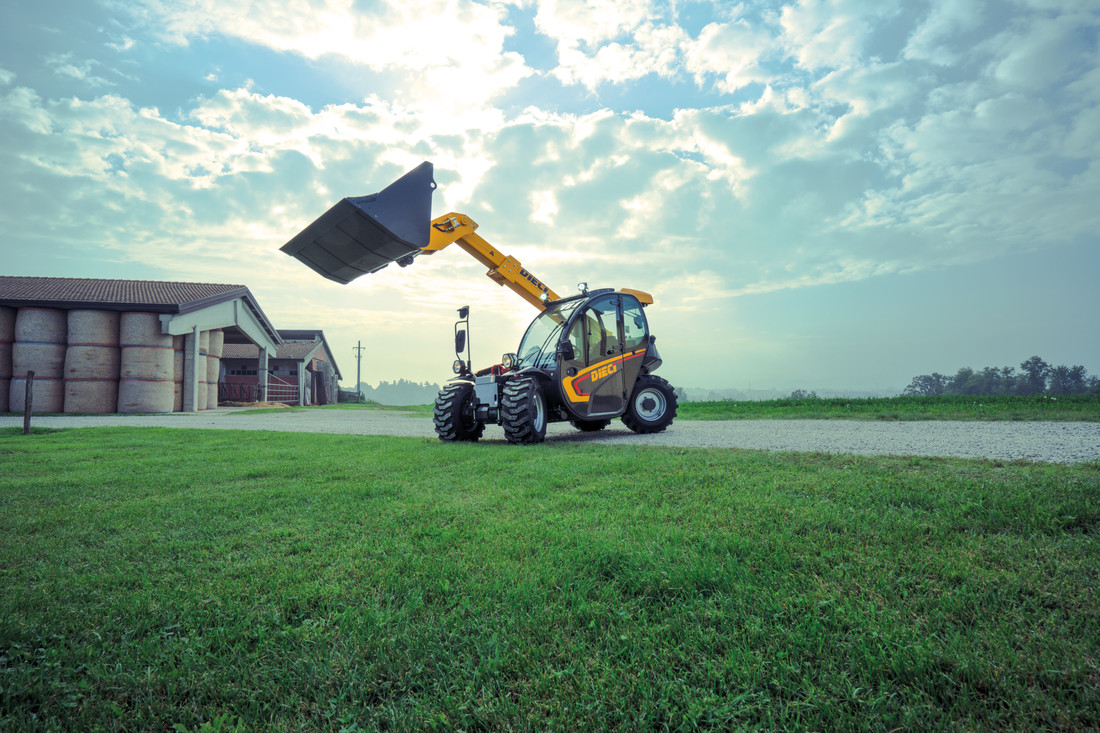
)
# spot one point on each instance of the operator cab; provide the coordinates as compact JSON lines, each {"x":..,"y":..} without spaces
{"x":593,"y":347}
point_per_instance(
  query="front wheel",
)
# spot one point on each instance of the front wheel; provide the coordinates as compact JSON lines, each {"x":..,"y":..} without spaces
{"x":454,"y":416}
{"x":652,"y":407}
{"x":524,"y":411}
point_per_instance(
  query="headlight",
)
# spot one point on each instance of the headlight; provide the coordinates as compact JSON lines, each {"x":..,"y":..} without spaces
{"x":508,"y":361}
{"x":459,"y":366}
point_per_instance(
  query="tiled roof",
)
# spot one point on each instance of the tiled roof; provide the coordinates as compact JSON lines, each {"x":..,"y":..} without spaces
{"x":72,"y":292}
{"x":309,"y":340}
{"x":157,"y":296}
{"x":296,"y":350}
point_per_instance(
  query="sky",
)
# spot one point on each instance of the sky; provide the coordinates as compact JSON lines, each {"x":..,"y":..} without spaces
{"x":819,"y":194}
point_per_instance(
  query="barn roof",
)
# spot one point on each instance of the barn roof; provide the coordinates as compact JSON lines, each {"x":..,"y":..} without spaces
{"x":76,"y":292}
{"x":298,"y":345}
{"x":298,"y":351}
{"x":155,"y":296}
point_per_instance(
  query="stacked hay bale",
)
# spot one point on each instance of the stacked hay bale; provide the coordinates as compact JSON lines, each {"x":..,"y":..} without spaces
{"x":213,"y":367}
{"x":7,"y":336}
{"x":200,"y":369}
{"x":178,"y":343}
{"x":92,"y":361}
{"x":39,"y":347}
{"x":146,"y":375}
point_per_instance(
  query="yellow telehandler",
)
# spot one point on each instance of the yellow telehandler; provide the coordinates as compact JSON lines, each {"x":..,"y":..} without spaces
{"x":587,"y":358}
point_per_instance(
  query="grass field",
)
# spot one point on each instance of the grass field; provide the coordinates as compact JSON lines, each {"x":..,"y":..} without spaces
{"x":159,"y":578}
{"x":947,"y":407}
{"x":1080,"y":408}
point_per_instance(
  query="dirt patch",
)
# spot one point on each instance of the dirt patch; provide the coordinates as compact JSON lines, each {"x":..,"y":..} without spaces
{"x":254,"y":404}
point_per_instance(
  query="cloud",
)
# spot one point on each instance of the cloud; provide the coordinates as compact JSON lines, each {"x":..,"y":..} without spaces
{"x":435,"y":46}
{"x":940,"y":38}
{"x":1043,"y":52}
{"x":63,"y":65}
{"x":735,"y":52}
{"x":820,"y":34}
{"x":600,"y":41}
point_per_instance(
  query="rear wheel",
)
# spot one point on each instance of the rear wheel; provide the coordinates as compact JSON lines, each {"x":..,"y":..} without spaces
{"x":589,"y":426}
{"x":454,"y":413}
{"x":652,"y":407}
{"x":524,"y":411}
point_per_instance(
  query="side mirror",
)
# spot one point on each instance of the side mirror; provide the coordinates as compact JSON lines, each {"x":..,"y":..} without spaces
{"x":565,"y":350}
{"x":460,"y":341}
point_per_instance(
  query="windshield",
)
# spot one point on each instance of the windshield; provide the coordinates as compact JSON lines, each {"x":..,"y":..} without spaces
{"x":541,"y":340}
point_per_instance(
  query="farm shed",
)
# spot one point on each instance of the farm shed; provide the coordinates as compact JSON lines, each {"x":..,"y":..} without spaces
{"x":122,"y":345}
{"x":301,"y":372}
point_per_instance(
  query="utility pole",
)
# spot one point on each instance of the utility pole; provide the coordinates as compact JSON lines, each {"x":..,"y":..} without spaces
{"x":358,"y":361}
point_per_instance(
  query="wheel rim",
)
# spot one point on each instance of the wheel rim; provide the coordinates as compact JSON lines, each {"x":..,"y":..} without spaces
{"x":539,"y":418}
{"x":650,"y":404}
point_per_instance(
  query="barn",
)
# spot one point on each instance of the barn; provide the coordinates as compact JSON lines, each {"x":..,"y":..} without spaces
{"x":302,"y":371}
{"x":101,"y":346}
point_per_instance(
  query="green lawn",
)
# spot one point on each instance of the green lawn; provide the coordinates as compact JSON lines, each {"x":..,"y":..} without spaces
{"x":946,"y":407}
{"x":160,"y":577}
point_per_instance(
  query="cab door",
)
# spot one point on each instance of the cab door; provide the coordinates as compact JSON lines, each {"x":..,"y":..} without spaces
{"x":592,"y":381}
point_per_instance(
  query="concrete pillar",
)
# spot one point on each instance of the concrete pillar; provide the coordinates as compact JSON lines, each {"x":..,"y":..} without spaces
{"x":190,"y":373}
{"x":261,"y":374}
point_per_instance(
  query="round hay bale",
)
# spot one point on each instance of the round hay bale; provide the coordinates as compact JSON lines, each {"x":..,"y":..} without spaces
{"x":147,"y":365}
{"x":201,"y":393}
{"x":5,"y":359}
{"x":213,"y":366}
{"x":47,"y":395}
{"x":47,"y":361}
{"x":92,"y":361}
{"x":145,"y":395}
{"x":217,"y":341}
{"x":178,"y":360}
{"x":91,"y":395}
{"x":7,"y":324}
{"x":146,"y":352}
{"x":93,"y":328}
{"x":41,"y":325}
{"x":5,"y":385}
{"x":7,"y":336}
{"x":39,"y":345}
{"x":142,"y":329}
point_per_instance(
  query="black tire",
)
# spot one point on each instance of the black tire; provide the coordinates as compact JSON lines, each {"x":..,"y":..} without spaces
{"x":454,"y":413}
{"x":652,"y":406}
{"x":589,"y":426}
{"x":524,"y":411}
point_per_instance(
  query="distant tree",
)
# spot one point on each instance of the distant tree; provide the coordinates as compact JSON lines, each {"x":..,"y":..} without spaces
{"x":1034,"y":380}
{"x":801,"y":394}
{"x":963,"y":382}
{"x":681,"y":395}
{"x":1038,"y":377}
{"x":927,"y":385}
{"x":1066,"y":380}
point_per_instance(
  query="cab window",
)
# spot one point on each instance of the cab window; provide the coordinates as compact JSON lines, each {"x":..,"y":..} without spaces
{"x":635,"y":329}
{"x":602,"y":329}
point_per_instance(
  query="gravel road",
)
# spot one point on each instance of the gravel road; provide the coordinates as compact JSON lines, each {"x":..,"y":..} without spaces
{"x":1058,"y":442}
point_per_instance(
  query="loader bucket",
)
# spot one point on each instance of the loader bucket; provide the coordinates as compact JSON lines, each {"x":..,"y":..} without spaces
{"x":363,"y":234}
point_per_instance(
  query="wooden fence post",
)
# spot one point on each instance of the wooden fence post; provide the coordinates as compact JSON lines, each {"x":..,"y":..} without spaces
{"x":27,"y":404}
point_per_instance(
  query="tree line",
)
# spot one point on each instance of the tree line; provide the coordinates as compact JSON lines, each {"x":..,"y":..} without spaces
{"x":1035,"y":377}
{"x":400,"y":392}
